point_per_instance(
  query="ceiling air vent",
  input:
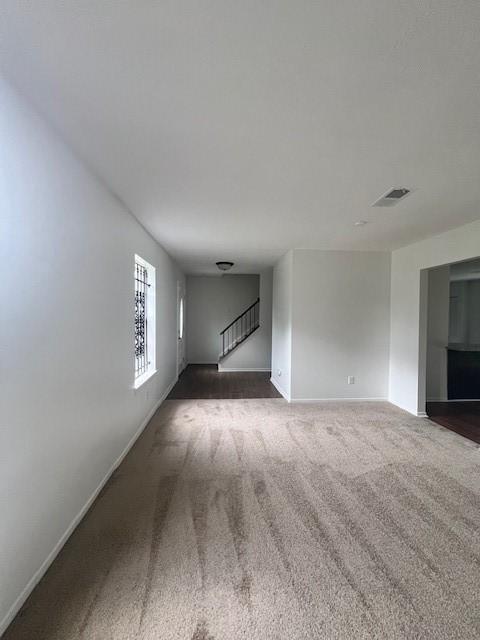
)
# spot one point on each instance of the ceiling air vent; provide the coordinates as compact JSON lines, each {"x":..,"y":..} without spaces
{"x":392,"y":197}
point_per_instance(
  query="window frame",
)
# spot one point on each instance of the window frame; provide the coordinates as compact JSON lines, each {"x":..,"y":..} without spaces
{"x":181,"y":317}
{"x":150,"y":322}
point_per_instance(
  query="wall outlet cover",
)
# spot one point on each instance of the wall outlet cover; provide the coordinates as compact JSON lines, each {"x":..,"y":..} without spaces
{"x":351,"y":379}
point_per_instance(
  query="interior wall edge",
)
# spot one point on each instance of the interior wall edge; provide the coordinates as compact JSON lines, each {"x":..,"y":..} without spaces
{"x":418,"y":414}
{"x":280,"y":389}
{"x":408,"y":299}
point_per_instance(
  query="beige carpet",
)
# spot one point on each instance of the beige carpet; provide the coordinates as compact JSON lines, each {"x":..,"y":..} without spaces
{"x":255,"y":519}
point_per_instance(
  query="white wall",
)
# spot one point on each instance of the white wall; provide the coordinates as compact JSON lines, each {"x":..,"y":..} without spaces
{"x":330,"y":321}
{"x":68,"y":407}
{"x":282,"y":324}
{"x":465,"y":313}
{"x":212,"y":303}
{"x":256,"y":352}
{"x":474,"y":312}
{"x":409,"y":308}
{"x":437,"y":333}
{"x":458,"y":325}
{"x":341,"y":324}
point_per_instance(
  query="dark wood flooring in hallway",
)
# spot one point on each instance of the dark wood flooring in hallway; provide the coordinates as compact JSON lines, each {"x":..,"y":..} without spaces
{"x":461,"y":417}
{"x":204,"y":381}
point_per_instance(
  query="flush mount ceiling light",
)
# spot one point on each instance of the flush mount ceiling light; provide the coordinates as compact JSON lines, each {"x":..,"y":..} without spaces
{"x":223,"y":265}
{"x":360,"y":223}
{"x":392,"y":196}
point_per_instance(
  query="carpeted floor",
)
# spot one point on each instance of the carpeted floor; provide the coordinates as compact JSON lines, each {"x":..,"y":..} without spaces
{"x":260,"y":520}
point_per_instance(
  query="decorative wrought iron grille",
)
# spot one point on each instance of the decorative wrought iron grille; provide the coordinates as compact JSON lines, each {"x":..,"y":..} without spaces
{"x":141,"y":287}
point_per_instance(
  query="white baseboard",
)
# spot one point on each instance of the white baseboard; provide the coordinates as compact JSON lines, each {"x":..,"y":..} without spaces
{"x":417,"y":414}
{"x":288,"y":398}
{"x":310,"y":400}
{"x":280,"y":389}
{"x":37,"y":576}
{"x":423,"y":414}
{"x":226,"y":369}
{"x":202,"y":362}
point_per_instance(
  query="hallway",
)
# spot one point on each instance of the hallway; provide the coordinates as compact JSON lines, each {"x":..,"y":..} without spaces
{"x":204,"y":381}
{"x":264,"y":520}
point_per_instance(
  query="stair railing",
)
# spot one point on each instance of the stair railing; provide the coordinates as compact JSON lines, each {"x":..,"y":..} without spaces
{"x":240,"y":328}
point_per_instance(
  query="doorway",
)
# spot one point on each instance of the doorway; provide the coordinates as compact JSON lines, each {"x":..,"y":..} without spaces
{"x":453,"y":347}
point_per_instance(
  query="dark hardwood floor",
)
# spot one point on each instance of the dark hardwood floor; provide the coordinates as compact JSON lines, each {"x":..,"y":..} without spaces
{"x":204,"y":381}
{"x":462,"y":417}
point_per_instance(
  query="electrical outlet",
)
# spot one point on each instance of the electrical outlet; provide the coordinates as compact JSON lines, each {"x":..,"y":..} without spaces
{"x":351,"y":379}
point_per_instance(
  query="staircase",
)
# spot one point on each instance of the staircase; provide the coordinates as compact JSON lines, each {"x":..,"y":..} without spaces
{"x":239,"y":329}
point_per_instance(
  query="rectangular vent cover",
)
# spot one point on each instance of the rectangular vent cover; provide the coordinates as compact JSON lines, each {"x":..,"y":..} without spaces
{"x":392,"y":197}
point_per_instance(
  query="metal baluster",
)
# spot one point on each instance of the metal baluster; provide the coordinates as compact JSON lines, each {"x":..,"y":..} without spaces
{"x":238,"y":330}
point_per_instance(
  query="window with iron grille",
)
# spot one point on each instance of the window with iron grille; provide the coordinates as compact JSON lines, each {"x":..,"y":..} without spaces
{"x":144,"y":320}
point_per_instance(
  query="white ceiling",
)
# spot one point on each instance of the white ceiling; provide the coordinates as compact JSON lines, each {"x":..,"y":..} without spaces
{"x":237,"y":130}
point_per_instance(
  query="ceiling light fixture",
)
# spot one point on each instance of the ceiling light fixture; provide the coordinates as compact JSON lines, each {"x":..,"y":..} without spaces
{"x":360,"y":223}
{"x":224,"y":265}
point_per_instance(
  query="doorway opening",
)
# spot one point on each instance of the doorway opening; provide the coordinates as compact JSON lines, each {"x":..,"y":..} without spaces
{"x":453,"y":347}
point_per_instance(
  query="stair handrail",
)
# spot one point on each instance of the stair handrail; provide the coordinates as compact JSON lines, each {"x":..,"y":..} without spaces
{"x":239,"y":316}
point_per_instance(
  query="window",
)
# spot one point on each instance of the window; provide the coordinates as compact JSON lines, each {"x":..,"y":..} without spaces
{"x":144,"y":275}
{"x":180,"y":320}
